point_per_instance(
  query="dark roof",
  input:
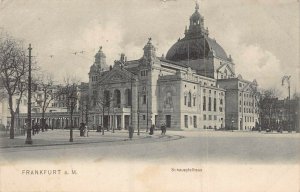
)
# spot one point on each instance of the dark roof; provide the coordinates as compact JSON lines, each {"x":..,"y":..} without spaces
{"x":173,"y":62}
{"x":195,"y":48}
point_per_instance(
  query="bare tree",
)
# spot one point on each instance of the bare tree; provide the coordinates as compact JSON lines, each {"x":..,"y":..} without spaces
{"x":267,"y":105}
{"x":70,"y":92}
{"x":103,"y":101}
{"x":13,"y":73}
{"x":45,"y":94}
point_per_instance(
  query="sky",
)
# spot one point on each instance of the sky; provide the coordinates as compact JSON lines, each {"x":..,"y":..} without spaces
{"x":262,"y":36}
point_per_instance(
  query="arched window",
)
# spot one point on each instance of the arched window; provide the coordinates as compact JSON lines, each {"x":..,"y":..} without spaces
{"x":128,"y":97}
{"x":117,"y":98}
{"x":189,"y":99}
{"x":168,"y":100}
{"x":107,"y":98}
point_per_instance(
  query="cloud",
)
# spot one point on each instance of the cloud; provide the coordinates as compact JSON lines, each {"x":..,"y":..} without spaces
{"x":256,"y":63}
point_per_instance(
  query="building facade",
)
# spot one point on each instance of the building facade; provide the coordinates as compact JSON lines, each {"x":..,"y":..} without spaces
{"x":193,"y":87}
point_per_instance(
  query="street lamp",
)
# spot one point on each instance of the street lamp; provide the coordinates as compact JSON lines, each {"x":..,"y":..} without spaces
{"x":72,"y":103}
{"x":28,"y":137}
{"x":130,"y":129}
{"x":232,"y":121}
{"x":287,"y":79}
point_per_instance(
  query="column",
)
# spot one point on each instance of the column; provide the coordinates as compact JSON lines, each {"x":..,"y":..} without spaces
{"x":122,"y":121}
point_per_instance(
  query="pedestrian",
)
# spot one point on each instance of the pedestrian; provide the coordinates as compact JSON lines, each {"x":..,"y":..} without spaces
{"x":163,"y":127}
{"x":81,"y":128}
{"x":85,"y":130}
{"x":130,"y":131}
{"x":46,"y":127}
{"x":151,"y":130}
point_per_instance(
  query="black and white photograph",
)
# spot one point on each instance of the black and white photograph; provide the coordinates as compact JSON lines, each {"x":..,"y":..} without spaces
{"x":149,"y":95}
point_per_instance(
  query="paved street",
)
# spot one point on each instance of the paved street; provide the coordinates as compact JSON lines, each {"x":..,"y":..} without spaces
{"x":202,"y":146}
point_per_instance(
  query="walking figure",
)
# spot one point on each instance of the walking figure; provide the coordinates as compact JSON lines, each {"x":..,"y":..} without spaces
{"x":163,"y":129}
{"x":151,"y":130}
{"x":86,"y":131}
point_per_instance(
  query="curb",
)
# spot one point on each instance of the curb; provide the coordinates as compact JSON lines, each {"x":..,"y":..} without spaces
{"x":69,"y":143}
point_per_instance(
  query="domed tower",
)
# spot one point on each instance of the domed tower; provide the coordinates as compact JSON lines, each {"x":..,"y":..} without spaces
{"x":196,"y":27}
{"x":149,"y":52}
{"x":95,"y":71}
{"x":198,"y":50}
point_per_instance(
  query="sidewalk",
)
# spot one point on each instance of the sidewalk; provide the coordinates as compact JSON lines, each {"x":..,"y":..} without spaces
{"x":61,"y":137}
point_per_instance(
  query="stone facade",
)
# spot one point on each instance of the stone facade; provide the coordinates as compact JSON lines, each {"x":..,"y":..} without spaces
{"x":193,"y":87}
{"x":242,"y":111}
{"x":163,"y":91}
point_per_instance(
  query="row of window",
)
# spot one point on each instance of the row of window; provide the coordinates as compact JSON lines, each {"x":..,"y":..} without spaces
{"x":210,"y":117}
{"x":249,"y":119}
{"x":247,"y":95}
{"x":248,"y":110}
{"x":193,"y":120}
{"x":215,"y":92}
{"x":144,"y":73}
{"x":115,"y":98}
{"x":248,"y":103}
{"x":188,"y":100}
{"x":94,"y":78}
{"x":209,"y":104}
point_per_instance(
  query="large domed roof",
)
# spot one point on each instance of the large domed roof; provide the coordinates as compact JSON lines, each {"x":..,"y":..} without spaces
{"x":195,"y":48}
{"x":196,"y":44}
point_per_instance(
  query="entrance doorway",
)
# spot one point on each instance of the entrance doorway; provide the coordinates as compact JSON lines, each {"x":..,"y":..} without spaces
{"x":168,"y":121}
{"x":127,"y":120}
{"x":118,"y":121}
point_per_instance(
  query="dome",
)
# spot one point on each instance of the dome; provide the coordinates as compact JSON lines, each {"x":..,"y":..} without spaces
{"x":196,"y":44}
{"x":195,"y":48}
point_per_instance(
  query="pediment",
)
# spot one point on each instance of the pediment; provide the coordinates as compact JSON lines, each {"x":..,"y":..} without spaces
{"x":117,"y":75}
{"x":248,"y":88}
{"x":224,"y":67}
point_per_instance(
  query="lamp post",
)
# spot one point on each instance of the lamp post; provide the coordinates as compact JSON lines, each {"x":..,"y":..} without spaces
{"x":28,"y":137}
{"x":286,"y":78}
{"x":72,"y":103}
{"x":232,"y":121}
{"x":138,"y":114}
{"x":130,"y":129}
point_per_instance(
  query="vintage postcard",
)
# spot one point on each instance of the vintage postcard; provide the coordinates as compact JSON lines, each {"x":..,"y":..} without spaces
{"x":149,"y":95}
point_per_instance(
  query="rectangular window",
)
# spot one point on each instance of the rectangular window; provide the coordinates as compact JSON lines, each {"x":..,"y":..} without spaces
{"x":221,"y":109}
{"x":144,"y":99}
{"x":195,"y":121}
{"x":215,"y":117}
{"x":194,"y":101}
{"x":186,"y":121}
{"x":185,"y":100}
{"x":209,"y":104}
{"x":209,"y":117}
{"x":144,"y":117}
{"x":204,"y":117}
{"x":215,"y":104}
{"x":221,"y":101}
{"x":144,"y":73}
{"x":204,"y":103}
